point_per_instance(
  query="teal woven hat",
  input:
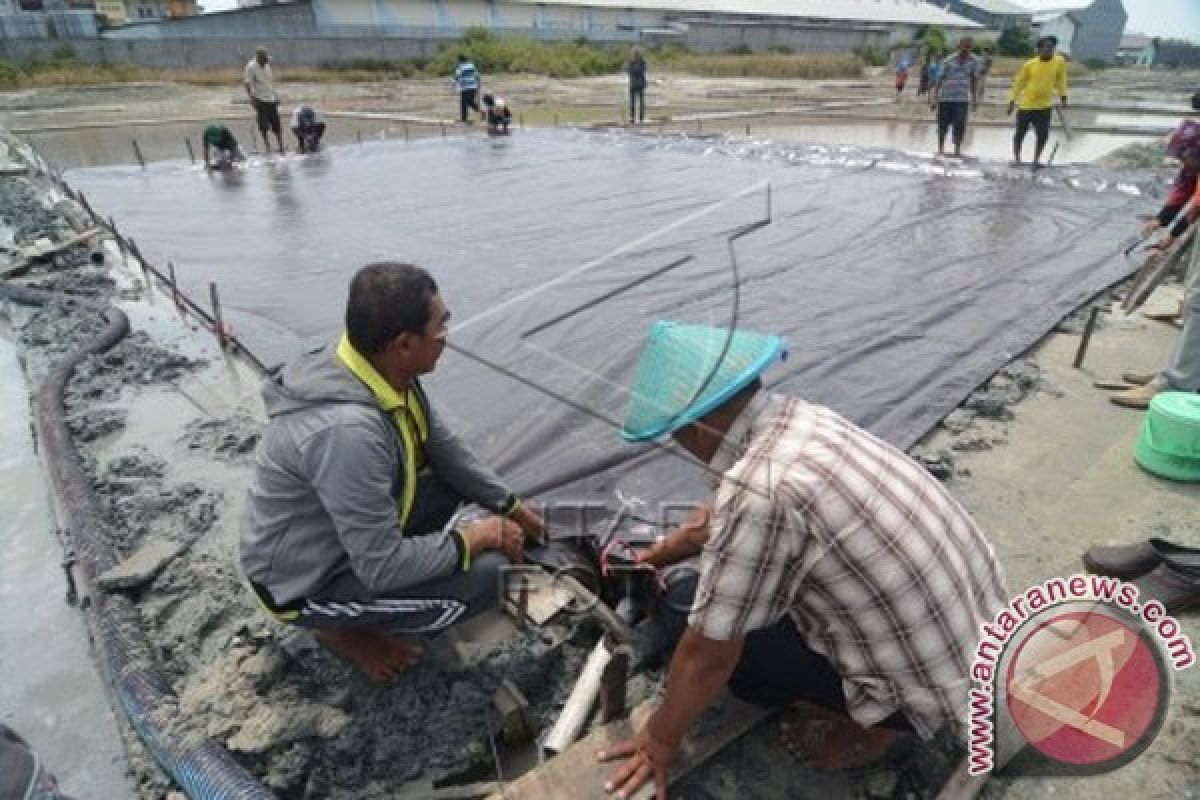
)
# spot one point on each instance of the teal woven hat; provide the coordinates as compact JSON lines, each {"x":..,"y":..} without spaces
{"x":1170,"y":442}
{"x":688,"y":371}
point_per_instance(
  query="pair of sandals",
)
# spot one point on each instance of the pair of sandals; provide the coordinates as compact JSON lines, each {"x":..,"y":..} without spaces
{"x":1167,"y":572}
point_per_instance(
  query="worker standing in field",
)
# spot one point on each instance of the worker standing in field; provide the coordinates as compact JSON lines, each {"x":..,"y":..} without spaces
{"x":260,"y":87}
{"x":637,"y":87}
{"x":467,"y":81}
{"x":953,"y":94}
{"x":1033,"y":91}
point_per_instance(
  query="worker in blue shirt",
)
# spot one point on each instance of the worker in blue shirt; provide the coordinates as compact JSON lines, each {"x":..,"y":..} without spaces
{"x":466,"y":80}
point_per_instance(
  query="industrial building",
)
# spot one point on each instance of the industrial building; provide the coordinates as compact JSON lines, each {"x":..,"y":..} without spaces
{"x":702,"y":25}
{"x":995,"y":15}
{"x":1169,"y":53}
{"x":1087,"y":30}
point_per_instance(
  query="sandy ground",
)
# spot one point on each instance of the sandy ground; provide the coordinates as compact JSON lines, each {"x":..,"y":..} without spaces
{"x":167,"y":424}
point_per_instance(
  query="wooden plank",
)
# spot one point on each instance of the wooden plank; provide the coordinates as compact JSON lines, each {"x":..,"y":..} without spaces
{"x":576,"y":773}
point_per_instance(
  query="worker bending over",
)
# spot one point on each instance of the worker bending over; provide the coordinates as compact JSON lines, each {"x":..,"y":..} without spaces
{"x":497,"y":114}
{"x":308,"y":127}
{"x":219,"y":140}
{"x":834,"y":569}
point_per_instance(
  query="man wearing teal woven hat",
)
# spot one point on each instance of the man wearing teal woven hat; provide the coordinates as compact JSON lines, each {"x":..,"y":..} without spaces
{"x":836,"y":575}
{"x":350,"y":525}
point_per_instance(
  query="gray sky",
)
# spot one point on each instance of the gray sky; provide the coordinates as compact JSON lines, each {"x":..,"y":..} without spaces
{"x":1175,"y":18}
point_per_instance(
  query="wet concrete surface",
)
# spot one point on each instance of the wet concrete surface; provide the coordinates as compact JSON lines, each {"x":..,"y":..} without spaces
{"x":44,"y":652}
{"x":921,"y":137}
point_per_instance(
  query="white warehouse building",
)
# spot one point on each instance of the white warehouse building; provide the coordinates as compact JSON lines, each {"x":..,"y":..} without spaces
{"x":712,"y":25}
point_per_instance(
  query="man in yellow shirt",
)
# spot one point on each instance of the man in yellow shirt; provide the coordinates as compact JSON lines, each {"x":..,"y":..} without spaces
{"x":1033,"y":92}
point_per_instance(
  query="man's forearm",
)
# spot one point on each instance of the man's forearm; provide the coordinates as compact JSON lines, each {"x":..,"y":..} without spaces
{"x":699,"y":671}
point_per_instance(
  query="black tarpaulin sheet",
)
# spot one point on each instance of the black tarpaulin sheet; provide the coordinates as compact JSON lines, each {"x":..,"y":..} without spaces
{"x":899,"y":288}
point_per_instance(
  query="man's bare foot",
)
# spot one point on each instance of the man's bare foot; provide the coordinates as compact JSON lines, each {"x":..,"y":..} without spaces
{"x":821,"y":739}
{"x":381,"y":658}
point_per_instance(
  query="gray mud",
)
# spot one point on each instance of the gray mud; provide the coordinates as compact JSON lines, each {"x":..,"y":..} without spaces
{"x":233,"y":437}
{"x":29,"y":213}
{"x":1137,"y":155}
{"x":979,"y":424}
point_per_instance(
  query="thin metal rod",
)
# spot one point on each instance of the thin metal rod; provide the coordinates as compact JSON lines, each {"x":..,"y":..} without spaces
{"x":191,"y":151}
{"x":137,"y":152}
{"x":638,"y":281}
{"x":218,"y":323}
{"x":174,"y":285}
{"x":359,"y":135}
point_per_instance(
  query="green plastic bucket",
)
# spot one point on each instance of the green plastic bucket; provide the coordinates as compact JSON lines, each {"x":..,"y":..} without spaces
{"x":1170,"y":442}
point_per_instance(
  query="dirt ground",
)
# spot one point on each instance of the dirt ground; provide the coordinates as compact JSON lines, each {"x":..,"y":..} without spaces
{"x":167,"y":424}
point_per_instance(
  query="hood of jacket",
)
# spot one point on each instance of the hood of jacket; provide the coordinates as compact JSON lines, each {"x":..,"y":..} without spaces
{"x":317,"y":378}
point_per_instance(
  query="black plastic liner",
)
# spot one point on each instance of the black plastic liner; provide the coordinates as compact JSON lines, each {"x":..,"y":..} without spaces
{"x":900,"y":284}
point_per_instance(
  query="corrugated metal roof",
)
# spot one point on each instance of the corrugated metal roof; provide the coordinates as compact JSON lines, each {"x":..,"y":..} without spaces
{"x":999,"y":7}
{"x":1057,"y":7}
{"x":907,"y":12}
{"x":1135,"y":41}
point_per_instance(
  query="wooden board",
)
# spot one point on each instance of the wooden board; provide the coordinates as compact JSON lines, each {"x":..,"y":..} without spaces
{"x":576,"y":773}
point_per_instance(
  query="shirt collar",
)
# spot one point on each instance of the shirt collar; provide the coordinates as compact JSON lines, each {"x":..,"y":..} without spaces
{"x":737,"y":439}
{"x":387,"y":397}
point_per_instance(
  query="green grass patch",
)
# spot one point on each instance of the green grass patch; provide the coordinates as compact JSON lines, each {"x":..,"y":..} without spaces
{"x":492,"y":54}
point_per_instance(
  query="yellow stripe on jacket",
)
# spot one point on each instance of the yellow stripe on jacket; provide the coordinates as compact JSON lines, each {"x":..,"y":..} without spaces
{"x":1037,"y":83}
{"x":407,"y":413}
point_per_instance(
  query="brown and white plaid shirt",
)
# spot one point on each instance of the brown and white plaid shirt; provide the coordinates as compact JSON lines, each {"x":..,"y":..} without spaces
{"x":881,"y":570}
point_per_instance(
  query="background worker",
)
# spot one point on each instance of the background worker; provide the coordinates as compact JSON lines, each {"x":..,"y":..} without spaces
{"x":1182,"y":372}
{"x":834,"y":569}
{"x":928,"y":73}
{"x":467,"y":82}
{"x":218,"y":138}
{"x":1183,"y":144}
{"x":953,"y":93}
{"x":260,"y":87}
{"x":637,"y":86}
{"x":986,"y":60}
{"x":1033,"y":90}
{"x":903,"y":65}
{"x":308,"y":127}
{"x":350,"y":525}
{"x":497,"y":114}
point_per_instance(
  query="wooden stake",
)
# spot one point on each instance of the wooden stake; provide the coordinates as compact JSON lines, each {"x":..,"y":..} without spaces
{"x":1081,"y":353}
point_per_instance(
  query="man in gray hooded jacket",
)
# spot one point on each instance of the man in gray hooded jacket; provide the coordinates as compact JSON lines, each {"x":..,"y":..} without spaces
{"x":349,"y":526}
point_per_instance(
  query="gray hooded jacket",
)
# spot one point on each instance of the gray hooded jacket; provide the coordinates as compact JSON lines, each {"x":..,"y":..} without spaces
{"x":328,"y":475}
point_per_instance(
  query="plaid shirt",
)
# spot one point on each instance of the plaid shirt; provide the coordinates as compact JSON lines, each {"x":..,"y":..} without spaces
{"x":881,"y":570}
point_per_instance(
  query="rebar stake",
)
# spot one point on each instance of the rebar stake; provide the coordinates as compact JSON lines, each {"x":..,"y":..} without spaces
{"x":218,"y":323}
